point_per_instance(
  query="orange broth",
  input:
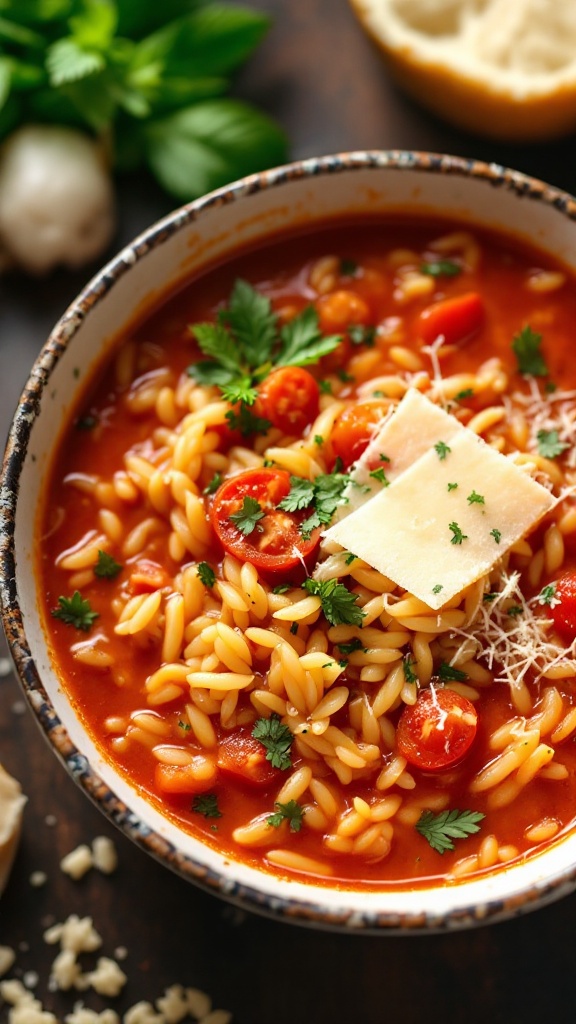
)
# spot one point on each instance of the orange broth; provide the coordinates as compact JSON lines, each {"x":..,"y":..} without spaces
{"x":104,"y":428}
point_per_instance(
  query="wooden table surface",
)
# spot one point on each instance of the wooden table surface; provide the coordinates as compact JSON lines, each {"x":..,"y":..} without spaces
{"x":321,"y":78}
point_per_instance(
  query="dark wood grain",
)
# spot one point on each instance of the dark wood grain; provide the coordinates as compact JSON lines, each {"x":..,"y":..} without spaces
{"x":323,"y":80}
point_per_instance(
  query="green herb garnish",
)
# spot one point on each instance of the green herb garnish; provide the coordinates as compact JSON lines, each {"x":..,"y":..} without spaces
{"x":548,"y":595}
{"x":207,"y":804}
{"x":526,"y":348}
{"x":440,"y":268}
{"x":75,"y":611}
{"x":291,"y":812}
{"x":206,"y":574}
{"x":354,"y":645}
{"x":248,"y":517}
{"x":450,"y":674}
{"x":409,"y":675}
{"x":338,"y":604}
{"x":213,"y":485}
{"x":106,"y":567}
{"x":442,"y":450}
{"x":496,"y":534}
{"x":276,"y":738}
{"x":441,"y":829}
{"x":475,"y":499}
{"x":361,"y":334}
{"x":549,"y":444}
{"x":457,"y":535}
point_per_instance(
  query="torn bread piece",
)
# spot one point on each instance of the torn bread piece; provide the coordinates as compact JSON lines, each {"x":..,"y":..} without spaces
{"x":12,"y":802}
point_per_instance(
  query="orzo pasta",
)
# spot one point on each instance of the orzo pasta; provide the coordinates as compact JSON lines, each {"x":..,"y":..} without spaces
{"x":292,"y":702}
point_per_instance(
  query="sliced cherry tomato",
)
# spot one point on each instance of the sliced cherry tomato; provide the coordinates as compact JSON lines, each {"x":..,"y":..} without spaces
{"x":147,"y":576}
{"x":456,"y":320}
{"x":341,"y":309}
{"x":276,"y":543}
{"x":353,"y":429}
{"x":243,"y":756}
{"x":564,"y":613}
{"x":196,"y":777}
{"x":289,"y":399}
{"x":438,"y":730}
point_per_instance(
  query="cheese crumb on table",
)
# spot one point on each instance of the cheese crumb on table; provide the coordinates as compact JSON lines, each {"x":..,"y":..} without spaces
{"x":12,"y":803}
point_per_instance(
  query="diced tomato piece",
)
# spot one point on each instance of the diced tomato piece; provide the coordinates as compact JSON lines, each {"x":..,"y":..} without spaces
{"x":456,"y":320}
{"x":438,"y":730}
{"x":243,"y":756}
{"x":147,"y":576}
{"x":342,"y":309}
{"x":289,"y":398}
{"x":563,"y":613}
{"x":275,"y":544}
{"x":354,"y":428}
{"x":196,"y":777}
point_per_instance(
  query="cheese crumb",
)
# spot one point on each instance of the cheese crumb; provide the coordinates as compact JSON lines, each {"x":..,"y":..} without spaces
{"x":104,"y":856}
{"x":7,"y":958}
{"x":78,"y":862}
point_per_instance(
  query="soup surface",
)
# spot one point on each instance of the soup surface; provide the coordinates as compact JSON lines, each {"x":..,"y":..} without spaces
{"x":268,"y":688}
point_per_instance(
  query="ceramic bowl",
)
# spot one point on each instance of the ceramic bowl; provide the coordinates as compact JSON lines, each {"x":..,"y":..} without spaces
{"x":248,"y":212}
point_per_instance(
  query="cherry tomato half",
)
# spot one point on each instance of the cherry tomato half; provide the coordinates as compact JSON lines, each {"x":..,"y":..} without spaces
{"x":243,"y":756}
{"x":456,"y":320}
{"x":353,"y":429}
{"x":564,"y":613}
{"x":275,"y":544}
{"x":438,"y":730}
{"x":289,"y":398}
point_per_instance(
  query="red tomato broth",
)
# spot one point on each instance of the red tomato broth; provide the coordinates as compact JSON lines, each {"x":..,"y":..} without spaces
{"x":282,"y":271}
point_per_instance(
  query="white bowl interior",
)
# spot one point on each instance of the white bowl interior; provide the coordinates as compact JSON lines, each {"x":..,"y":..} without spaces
{"x":159,"y":261}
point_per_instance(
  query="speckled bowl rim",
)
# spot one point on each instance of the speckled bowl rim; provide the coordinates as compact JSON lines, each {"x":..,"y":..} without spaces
{"x":315,"y":912}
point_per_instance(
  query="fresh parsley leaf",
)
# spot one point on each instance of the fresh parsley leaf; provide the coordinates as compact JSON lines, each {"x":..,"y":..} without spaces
{"x":437,"y":588}
{"x":354,"y":645}
{"x":215,"y":341}
{"x":253,"y":323}
{"x":362,"y":334}
{"x":325,"y":387}
{"x":291,"y":812}
{"x":276,"y":738}
{"x":440,"y":268}
{"x":465,"y":393}
{"x":350,"y":557}
{"x":282,"y":588}
{"x":247,"y":518}
{"x":302,"y":341}
{"x":240,"y":390}
{"x":452,"y":487}
{"x":457,"y":535}
{"x":106,"y":566}
{"x":496,"y":534}
{"x":441,"y":829}
{"x":206,"y":574}
{"x":213,"y":485}
{"x":207,"y":804}
{"x":548,"y":595}
{"x":380,"y":476}
{"x":243,"y":419}
{"x":338,"y":604}
{"x":75,"y":611}
{"x":409,"y":675}
{"x":442,"y":450}
{"x":515,"y":610}
{"x":549,"y":444}
{"x":449,"y":673}
{"x":526,"y":347}
{"x":301,"y":494}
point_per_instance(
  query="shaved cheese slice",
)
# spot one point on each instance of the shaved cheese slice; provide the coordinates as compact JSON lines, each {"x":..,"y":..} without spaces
{"x":11,"y":806}
{"x":415,"y":426}
{"x":446,"y":519}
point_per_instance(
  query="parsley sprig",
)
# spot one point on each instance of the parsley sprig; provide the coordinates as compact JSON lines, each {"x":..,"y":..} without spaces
{"x":526,"y":347}
{"x":323,"y":495}
{"x":276,"y":738}
{"x":246,"y":342}
{"x":247,"y":519}
{"x":75,"y":611}
{"x":338,"y":603}
{"x":441,"y":829}
{"x":106,"y":567}
{"x":549,"y":444}
{"x":291,"y":812}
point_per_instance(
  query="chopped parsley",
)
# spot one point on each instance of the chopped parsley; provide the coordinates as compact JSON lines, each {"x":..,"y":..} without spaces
{"x":276,"y":738}
{"x":380,"y":476}
{"x":440,"y":268}
{"x":465,"y":393}
{"x":457,"y":535}
{"x":338,"y":604}
{"x":548,"y":595}
{"x":449,"y":674}
{"x":348,"y":267}
{"x":75,"y":611}
{"x":452,"y":487}
{"x":549,"y":444}
{"x":213,"y":485}
{"x":318,"y":439}
{"x":442,"y":450}
{"x":248,"y":517}
{"x":291,"y":812}
{"x":243,"y":419}
{"x":496,"y":534}
{"x":185,"y":726}
{"x":350,"y":557}
{"x":526,"y":347}
{"x":362,"y":334}
{"x":475,"y":499}
{"x":294,"y":629}
{"x":206,"y":574}
{"x":437,"y":588}
{"x":106,"y":567}
{"x":325,"y":387}
{"x":409,"y":675}
{"x":515,"y":610}
{"x":354,"y":645}
{"x":207,"y":804}
{"x":281,"y":588}
{"x":441,"y":829}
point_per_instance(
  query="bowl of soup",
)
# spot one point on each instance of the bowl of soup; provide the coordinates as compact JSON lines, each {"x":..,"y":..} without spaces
{"x":289,"y":542}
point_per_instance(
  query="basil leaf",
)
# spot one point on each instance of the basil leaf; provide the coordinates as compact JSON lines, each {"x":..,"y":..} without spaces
{"x":207,"y":145}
